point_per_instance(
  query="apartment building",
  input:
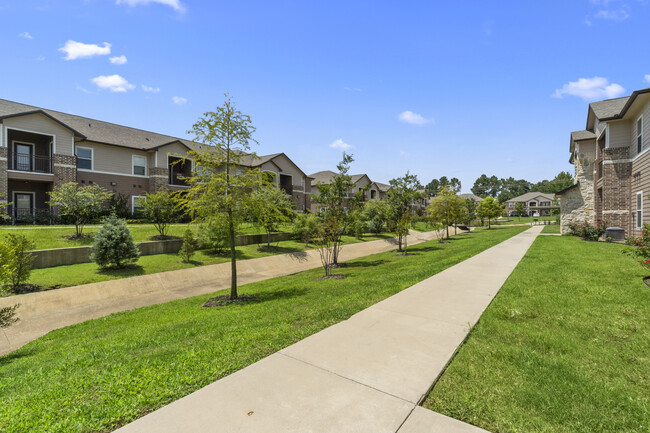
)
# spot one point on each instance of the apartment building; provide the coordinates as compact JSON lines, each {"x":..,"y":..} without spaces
{"x":40,"y":149}
{"x":535,"y":203}
{"x":612,"y":165}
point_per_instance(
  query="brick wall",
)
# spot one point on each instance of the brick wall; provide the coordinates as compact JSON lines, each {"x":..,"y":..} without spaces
{"x":65,"y":169}
{"x":616,"y":188}
{"x":158,"y":179}
{"x":3,"y":177}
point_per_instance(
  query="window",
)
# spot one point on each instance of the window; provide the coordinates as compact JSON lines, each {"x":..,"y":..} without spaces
{"x":511,"y":205}
{"x":639,"y":210}
{"x":137,"y":203}
{"x":139,"y":165}
{"x":84,"y":158}
{"x":532,"y":203}
{"x":639,"y":134}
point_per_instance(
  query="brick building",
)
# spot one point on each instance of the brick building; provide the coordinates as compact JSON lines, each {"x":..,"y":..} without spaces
{"x":612,"y":165}
{"x":40,"y":149}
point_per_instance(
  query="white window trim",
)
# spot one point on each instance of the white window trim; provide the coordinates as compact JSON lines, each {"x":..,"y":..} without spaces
{"x":638,"y":134}
{"x":133,"y":157}
{"x":607,"y":143}
{"x":639,"y":210}
{"x":133,"y":199}
{"x":92,"y":157}
{"x":13,"y":196}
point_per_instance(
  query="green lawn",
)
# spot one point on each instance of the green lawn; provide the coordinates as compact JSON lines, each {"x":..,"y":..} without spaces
{"x":103,"y":373}
{"x":523,"y":220}
{"x":564,"y":347}
{"x":84,"y":273}
{"x":551,"y":229}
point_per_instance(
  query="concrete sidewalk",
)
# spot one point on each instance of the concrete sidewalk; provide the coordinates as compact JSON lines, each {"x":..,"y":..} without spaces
{"x":42,"y":312}
{"x":366,"y":374}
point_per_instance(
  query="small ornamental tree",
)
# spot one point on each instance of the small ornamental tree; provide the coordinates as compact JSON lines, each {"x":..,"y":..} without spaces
{"x":161,"y":209}
{"x":377,"y":213}
{"x":15,"y":260}
{"x":445,"y":208}
{"x":305,"y":227}
{"x":470,"y":206}
{"x":189,"y":246}
{"x":520,"y":209}
{"x":403,"y":231}
{"x":213,"y":234}
{"x":80,"y":203}
{"x":401,"y":197}
{"x":489,"y":208}
{"x":113,"y":245}
{"x":270,"y":206}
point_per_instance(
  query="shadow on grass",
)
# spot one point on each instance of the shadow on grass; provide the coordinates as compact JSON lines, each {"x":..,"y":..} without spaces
{"x":274,"y":295}
{"x":366,"y":264}
{"x":127,"y":271}
{"x":16,"y":354}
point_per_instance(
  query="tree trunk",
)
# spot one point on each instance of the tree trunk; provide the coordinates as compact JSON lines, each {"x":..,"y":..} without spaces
{"x":268,"y":239}
{"x":233,"y":257}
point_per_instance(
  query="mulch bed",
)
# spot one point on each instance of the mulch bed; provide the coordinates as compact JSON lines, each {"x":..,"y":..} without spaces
{"x":222,"y":301}
{"x":331,"y":277}
{"x":24,"y":288}
{"x":646,"y":281}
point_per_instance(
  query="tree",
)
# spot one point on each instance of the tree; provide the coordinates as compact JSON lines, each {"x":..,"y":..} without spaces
{"x":435,"y":185}
{"x":512,"y":187}
{"x":270,"y":207}
{"x":401,"y":196}
{"x":445,"y":208}
{"x":81,"y":203}
{"x":15,"y":260}
{"x":189,"y":246}
{"x":489,"y":208}
{"x":336,"y":206}
{"x":470,"y":210}
{"x":377,"y":213}
{"x":119,"y":205}
{"x":305,"y":227}
{"x":113,"y":245}
{"x":219,"y":187}
{"x":486,"y":186}
{"x":161,"y":209}
{"x":563,"y":180}
{"x":520,"y":209}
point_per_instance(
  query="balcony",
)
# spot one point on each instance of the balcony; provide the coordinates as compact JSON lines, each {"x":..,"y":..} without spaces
{"x":30,"y":163}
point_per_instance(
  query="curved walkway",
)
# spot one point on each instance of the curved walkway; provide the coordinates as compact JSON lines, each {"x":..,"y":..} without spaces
{"x":42,"y":312}
{"x":366,"y":374}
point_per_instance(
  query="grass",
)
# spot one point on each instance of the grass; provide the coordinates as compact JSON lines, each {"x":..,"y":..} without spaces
{"x":551,"y":229}
{"x":563,"y":348}
{"x":47,"y":237}
{"x":85,"y":273}
{"x":523,"y":220}
{"x":103,"y":373}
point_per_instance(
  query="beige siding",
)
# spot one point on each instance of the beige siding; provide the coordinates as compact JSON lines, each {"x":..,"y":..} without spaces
{"x":641,"y":183}
{"x":40,"y":123}
{"x":174,"y":149}
{"x":619,"y":134}
{"x":113,"y":159}
{"x":287,"y":167}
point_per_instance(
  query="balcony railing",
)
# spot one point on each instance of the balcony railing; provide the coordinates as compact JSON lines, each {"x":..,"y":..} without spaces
{"x":31,"y":163}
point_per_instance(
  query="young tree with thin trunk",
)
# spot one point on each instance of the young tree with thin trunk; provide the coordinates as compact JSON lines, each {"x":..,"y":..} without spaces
{"x":446,"y":208}
{"x":270,"y":207}
{"x":489,"y":208}
{"x":401,"y":197}
{"x":81,"y":203}
{"x":219,"y":186}
{"x":520,"y":209}
{"x":161,"y":209}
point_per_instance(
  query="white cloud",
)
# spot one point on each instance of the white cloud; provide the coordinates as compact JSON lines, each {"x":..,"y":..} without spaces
{"x":647,"y":78}
{"x":150,"y":89}
{"x":175,"y":4}
{"x":179,"y":100}
{"x":25,"y":35}
{"x":118,"y":60}
{"x":413,"y":118}
{"x":79,"y":50}
{"x":590,"y":89}
{"x":340,"y":144}
{"x":611,"y":15}
{"x":114,"y":83}
{"x":352,"y":89}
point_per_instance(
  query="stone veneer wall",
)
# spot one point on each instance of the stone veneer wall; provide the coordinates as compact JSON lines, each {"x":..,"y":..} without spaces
{"x":617,"y":174}
{"x":158,"y":179}
{"x":578,"y":204}
{"x":3,"y":177}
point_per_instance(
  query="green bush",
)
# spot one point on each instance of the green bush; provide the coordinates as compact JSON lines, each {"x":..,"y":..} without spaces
{"x":213,"y":235}
{"x":189,"y":246}
{"x":113,"y":245}
{"x":305,"y":227}
{"x":15,"y":260}
{"x":587,"y":231}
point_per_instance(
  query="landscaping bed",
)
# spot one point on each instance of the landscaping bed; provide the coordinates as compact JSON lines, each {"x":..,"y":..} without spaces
{"x":104,"y":373}
{"x":562,"y":348}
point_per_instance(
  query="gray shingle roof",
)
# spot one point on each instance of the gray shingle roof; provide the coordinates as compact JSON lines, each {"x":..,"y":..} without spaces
{"x":582,"y":135}
{"x":250,"y":160}
{"x":326,"y":176}
{"x":97,"y":130}
{"x":383,"y":187}
{"x":532,"y":195}
{"x":609,"y":107}
{"x":472,"y":196}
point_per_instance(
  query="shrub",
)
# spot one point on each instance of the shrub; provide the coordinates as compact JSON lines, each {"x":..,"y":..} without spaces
{"x":305,"y":227}
{"x":641,"y":247}
{"x":161,"y":209}
{"x":113,"y":244}
{"x":15,"y":260}
{"x":213,"y":235}
{"x":79,"y":203}
{"x":189,"y":246}
{"x":119,"y":204}
{"x":587,"y":231}
{"x":357,"y":224}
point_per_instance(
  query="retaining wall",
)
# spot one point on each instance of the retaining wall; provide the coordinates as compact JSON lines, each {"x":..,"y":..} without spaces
{"x":75,"y":255}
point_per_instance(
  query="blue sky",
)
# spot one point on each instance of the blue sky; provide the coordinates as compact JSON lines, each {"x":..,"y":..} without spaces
{"x":437,"y":88}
